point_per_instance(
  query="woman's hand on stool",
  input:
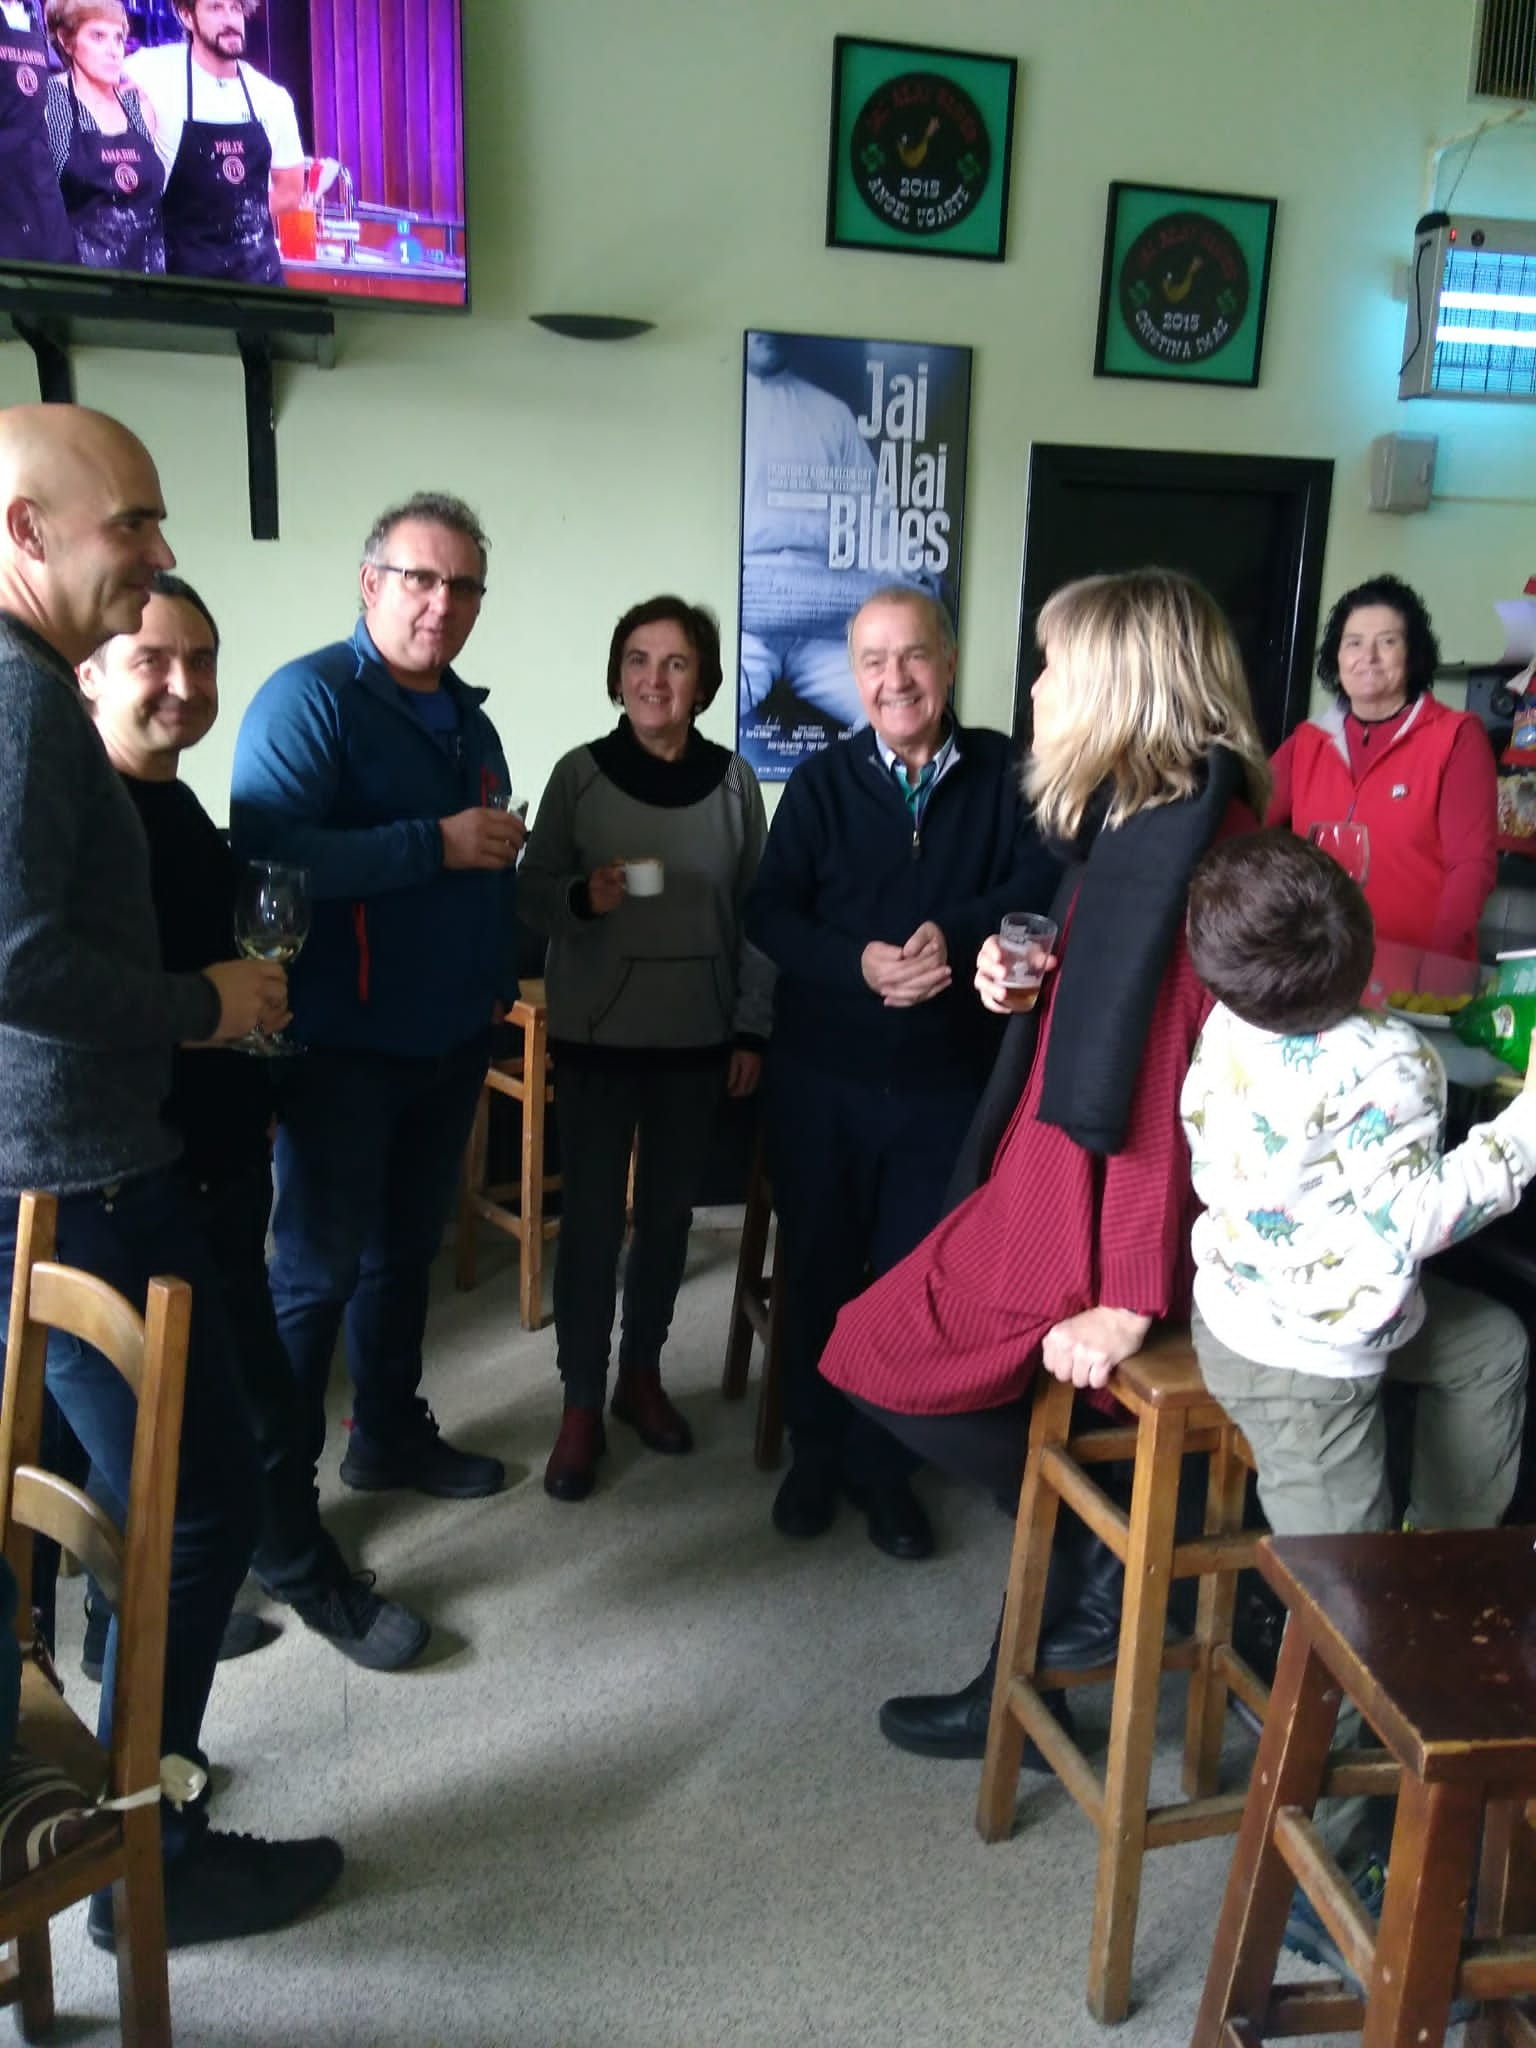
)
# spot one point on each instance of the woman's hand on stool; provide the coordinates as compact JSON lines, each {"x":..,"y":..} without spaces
{"x":1086,"y":1348}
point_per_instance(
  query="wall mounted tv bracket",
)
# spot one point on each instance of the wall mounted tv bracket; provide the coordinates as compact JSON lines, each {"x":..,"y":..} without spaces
{"x":54,"y":319}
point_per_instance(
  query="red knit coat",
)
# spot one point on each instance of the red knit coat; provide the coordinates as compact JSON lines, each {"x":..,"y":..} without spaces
{"x":958,"y":1324}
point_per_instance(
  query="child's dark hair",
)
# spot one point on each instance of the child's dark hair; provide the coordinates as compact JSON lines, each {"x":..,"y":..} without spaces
{"x":1279,"y":932}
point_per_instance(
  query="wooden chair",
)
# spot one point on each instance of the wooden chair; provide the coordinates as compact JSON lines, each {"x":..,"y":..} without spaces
{"x":1172,"y":1418}
{"x":757,"y":1309}
{"x":123,"y":1849}
{"x":1429,"y":1635}
{"x":516,"y":1208}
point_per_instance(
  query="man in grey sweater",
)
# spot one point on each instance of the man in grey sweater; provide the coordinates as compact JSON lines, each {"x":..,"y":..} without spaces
{"x":88,"y":1019}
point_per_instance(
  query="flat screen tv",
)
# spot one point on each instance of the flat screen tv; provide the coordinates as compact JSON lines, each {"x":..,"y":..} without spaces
{"x":235,"y":146}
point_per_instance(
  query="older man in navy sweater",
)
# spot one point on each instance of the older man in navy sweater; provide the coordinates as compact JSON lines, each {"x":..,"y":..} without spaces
{"x":890,"y":858}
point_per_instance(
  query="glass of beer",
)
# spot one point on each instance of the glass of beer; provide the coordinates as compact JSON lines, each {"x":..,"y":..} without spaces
{"x":1027,"y":941}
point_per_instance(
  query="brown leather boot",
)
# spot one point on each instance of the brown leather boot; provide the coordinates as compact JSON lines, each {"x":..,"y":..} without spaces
{"x":571,"y":1472}
{"x":640,"y":1400}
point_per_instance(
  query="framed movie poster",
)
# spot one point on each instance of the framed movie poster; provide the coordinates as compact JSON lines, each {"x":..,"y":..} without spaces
{"x":852,"y":479}
{"x":922,"y":150}
{"x":1185,"y":285}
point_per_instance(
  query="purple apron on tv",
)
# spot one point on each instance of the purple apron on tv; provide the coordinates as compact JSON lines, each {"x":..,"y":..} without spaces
{"x":33,"y":224}
{"x":218,"y":220}
{"x":112,"y":186}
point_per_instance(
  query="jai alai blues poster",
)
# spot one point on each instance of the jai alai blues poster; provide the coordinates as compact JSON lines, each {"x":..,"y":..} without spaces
{"x":852,"y":479}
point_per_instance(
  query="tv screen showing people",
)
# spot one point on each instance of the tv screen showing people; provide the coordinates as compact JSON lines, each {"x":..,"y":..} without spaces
{"x":312,"y":145}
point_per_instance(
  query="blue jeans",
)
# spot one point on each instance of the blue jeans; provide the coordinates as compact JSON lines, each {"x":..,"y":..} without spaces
{"x":125,"y":1235}
{"x":369,"y":1149}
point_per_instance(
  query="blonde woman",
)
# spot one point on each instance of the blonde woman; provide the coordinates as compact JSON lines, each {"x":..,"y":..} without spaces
{"x":102,"y":133}
{"x":1073,"y":1231}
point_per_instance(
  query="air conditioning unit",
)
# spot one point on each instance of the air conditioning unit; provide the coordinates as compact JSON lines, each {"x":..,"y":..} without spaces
{"x":1471,"y":329}
{"x":1504,"y":52}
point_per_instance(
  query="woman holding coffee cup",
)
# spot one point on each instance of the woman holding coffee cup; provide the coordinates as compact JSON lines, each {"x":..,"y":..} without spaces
{"x":644,"y":847}
{"x":1070,"y":1232}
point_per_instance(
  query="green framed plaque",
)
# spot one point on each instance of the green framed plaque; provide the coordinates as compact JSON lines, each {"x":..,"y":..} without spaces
{"x":1185,"y":285}
{"x":922,"y":150}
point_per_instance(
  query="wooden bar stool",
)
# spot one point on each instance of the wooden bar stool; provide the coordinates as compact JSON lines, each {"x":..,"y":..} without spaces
{"x":1506,"y":1899}
{"x":514,"y":1207}
{"x":757,"y":1310}
{"x":1430,"y":1635}
{"x":1172,"y":1417}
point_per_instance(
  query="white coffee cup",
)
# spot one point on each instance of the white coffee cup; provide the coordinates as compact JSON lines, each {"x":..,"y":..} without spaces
{"x":644,"y":877}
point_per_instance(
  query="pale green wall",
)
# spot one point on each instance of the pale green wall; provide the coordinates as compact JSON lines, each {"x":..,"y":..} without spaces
{"x":667,"y":158}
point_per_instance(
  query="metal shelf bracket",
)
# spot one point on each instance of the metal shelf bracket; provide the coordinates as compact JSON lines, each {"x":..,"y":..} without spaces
{"x":53,"y":321}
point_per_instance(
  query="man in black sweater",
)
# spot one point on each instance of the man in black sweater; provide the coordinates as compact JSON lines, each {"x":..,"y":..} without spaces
{"x":88,"y":1018}
{"x":889,"y":860}
{"x":153,"y":694}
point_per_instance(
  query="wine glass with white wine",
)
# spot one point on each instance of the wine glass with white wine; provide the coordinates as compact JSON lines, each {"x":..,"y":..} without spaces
{"x":271,"y":923}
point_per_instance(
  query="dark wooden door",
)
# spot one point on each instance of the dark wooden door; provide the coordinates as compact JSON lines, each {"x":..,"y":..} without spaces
{"x":1250,"y":527}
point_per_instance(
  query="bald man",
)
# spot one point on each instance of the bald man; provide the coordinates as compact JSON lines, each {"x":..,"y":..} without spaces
{"x":88,"y":1021}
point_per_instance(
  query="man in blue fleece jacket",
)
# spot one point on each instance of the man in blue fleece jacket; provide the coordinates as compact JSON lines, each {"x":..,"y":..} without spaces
{"x":372,"y":764}
{"x":889,"y":860}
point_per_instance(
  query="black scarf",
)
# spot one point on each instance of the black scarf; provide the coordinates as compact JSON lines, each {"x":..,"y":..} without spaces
{"x":668,"y":785}
{"x":1126,"y":889}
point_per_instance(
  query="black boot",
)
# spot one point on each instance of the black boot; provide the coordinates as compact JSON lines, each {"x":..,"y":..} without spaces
{"x":1087,"y":1630}
{"x":954,"y":1724}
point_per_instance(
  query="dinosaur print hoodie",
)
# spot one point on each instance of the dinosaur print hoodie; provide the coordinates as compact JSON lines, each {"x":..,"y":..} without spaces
{"x":1318,"y":1158}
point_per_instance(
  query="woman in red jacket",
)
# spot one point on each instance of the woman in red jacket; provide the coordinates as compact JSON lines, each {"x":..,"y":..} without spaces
{"x":1074,"y":1233}
{"x":1387,"y":755}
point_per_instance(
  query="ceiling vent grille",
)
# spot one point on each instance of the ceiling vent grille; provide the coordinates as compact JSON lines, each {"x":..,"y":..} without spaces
{"x":1504,"y":54}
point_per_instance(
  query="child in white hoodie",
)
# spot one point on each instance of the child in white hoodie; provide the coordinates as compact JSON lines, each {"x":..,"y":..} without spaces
{"x":1316,"y":1129}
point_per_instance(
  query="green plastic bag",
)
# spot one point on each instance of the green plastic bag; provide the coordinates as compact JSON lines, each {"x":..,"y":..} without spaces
{"x":1503,"y":1023}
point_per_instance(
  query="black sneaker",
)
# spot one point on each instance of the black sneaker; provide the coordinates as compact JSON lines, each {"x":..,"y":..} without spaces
{"x":1306,"y":1934}
{"x":379,"y":1634}
{"x":243,"y":1633}
{"x":201,"y":1797}
{"x":225,"y":1886}
{"x":423,"y":1461}
{"x":93,"y":1650}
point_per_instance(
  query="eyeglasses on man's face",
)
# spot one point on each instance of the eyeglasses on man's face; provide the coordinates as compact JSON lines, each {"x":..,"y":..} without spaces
{"x":427,"y":583}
